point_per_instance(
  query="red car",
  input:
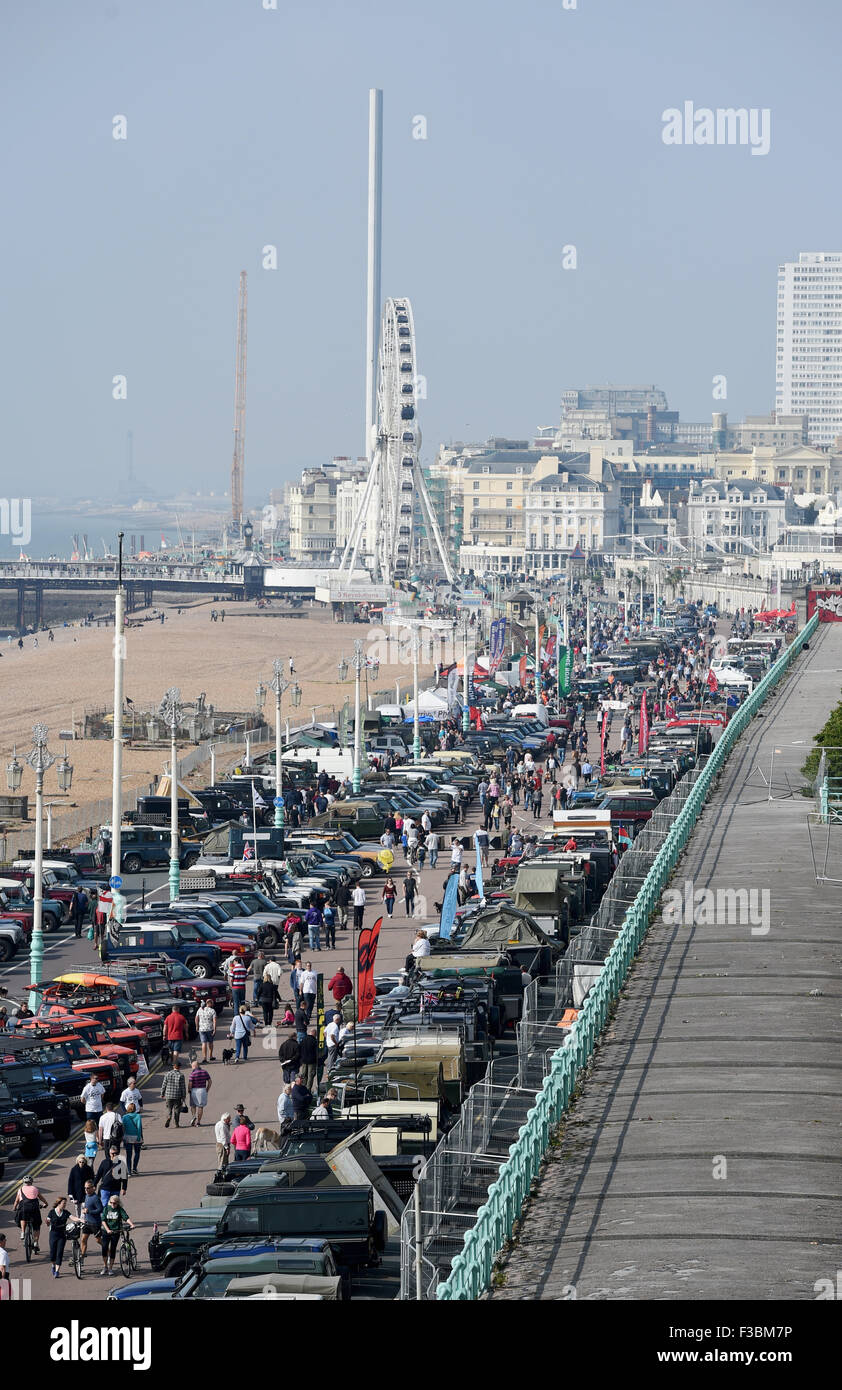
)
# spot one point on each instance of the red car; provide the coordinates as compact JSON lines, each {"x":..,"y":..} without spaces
{"x":89,"y":1031}
{"x":71,"y":1048}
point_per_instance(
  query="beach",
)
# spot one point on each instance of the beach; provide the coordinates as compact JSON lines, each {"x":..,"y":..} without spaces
{"x":56,"y":682}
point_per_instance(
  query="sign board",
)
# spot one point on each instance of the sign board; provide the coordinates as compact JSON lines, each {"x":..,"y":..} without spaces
{"x":471,"y":598}
{"x":116,"y":881}
{"x":581,"y":820}
{"x":336,"y":592}
{"x":65,"y":735}
{"x":827,"y":603}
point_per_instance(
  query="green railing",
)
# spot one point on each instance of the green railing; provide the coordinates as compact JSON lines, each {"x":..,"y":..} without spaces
{"x":470,"y":1272}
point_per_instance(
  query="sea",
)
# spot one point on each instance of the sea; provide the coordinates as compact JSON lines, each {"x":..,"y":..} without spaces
{"x":53,"y":535}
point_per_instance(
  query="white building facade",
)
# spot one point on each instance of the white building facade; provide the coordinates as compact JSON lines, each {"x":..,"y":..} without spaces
{"x":808,"y":369}
{"x":740,"y":517}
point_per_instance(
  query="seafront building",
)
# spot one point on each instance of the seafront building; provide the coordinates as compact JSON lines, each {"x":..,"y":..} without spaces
{"x":808,"y":365}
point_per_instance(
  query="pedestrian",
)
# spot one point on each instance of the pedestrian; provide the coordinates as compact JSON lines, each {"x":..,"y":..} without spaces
{"x":174,"y":1092}
{"x":115,"y":1219}
{"x":110,"y":1129}
{"x":132,"y":1136}
{"x":286,"y":1109}
{"x":343,"y":898}
{"x":309,"y":1058}
{"x":57,"y":1219}
{"x":91,"y":1140}
{"x":482,"y":843}
{"x":332,"y":1041}
{"x":206,"y":1026}
{"x":175,"y":1030}
{"x":111,"y":1175}
{"x":433,"y":848}
{"x":314,"y":926}
{"x":198,"y":1085}
{"x":80,"y":911}
{"x":258,"y":966}
{"x":91,"y":1097}
{"x":237,"y":975}
{"x":329,"y":919}
{"x":91,"y":1216}
{"x":409,"y":887}
{"x":358,"y":898}
{"x":389,"y":894}
{"x":79,"y":1174}
{"x":341,"y":985}
{"x":309,"y":985}
{"x":241,"y":1139}
{"x":455,"y":854}
{"x":537,"y":797}
{"x":222,"y":1135}
{"x":300,"y":1020}
{"x":301,"y":1099}
{"x":241,"y":1030}
{"x":289,"y":1054}
{"x":268,"y":999}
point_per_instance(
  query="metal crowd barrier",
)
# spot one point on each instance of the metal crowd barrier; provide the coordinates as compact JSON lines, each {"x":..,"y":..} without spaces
{"x":471,"y":1268}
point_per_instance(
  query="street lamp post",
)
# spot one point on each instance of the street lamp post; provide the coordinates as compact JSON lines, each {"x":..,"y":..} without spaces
{"x":170,"y":712}
{"x":358,"y":662}
{"x":466,"y":709}
{"x":416,"y":732}
{"x":39,"y":759}
{"x":279,"y":685}
{"x":117,"y":728}
{"x":588,"y":620}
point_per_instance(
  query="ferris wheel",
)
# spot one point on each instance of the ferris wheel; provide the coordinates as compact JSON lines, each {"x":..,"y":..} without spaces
{"x":396,"y":493}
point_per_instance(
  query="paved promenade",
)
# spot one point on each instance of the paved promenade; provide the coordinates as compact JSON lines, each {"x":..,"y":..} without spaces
{"x":702,"y":1160}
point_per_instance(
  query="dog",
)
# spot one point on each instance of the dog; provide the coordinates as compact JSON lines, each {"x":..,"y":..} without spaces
{"x":227,"y":1054}
{"x":165,"y":1054}
{"x":266,"y":1138}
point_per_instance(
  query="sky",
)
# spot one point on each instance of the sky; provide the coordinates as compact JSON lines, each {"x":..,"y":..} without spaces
{"x":246,"y":127}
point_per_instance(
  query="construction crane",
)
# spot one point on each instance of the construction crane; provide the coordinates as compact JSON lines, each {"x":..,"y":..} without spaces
{"x":237,"y":464}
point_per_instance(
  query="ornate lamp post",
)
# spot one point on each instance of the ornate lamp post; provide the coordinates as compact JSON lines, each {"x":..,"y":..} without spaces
{"x":279,"y":684}
{"x":416,"y":732}
{"x":170,"y":712}
{"x":358,"y":664}
{"x":39,"y":759}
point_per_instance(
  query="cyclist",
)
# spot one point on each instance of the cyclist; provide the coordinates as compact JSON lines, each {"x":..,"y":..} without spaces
{"x":115,"y":1220}
{"x":28,"y":1204}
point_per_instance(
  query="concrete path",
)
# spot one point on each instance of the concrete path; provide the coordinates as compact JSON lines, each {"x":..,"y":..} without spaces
{"x":702,"y":1160}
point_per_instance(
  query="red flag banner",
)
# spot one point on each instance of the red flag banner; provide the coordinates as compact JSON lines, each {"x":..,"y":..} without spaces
{"x":713,"y":683}
{"x":366,"y":953}
{"x":643,"y":731}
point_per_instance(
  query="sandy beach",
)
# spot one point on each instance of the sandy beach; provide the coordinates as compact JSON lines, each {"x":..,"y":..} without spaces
{"x":55,"y":682}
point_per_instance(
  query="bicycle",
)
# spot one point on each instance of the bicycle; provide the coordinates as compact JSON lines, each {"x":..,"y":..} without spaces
{"x":128,"y":1253}
{"x":74,"y":1234}
{"x":29,"y":1240}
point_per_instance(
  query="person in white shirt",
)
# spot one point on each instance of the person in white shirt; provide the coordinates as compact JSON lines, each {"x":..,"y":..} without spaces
{"x":222,"y":1134}
{"x":420,"y":946}
{"x":455,"y":854}
{"x":109,"y":1121}
{"x":132,"y":1095}
{"x":426,"y":823}
{"x":332,"y":1041}
{"x":206,"y":1027}
{"x":308,"y":983}
{"x":91,"y":1098}
{"x":273,"y":972}
{"x":358,"y":899}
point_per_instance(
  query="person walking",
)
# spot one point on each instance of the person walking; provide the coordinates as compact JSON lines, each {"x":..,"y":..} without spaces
{"x":198,"y":1085}
{"x":389,"y":894}
{"x":289,"y":1055}
{"x":268,"y":999}
{"x":241,"y":1139}
{"x":301,"y":1098}
{"x":91,"y":1216}
{"x":258,"y":966}
{"x":309,"y":1062}
{"x":111,"y":1175}
{"x":222,"y":1135}
{"x":309,"y":986}
{"x":79,"y":1174}
{"x":455,"y":854}
{"x":89,"y":1135}
{"x":314,"y":921}
{"x":329,"y":921}
{"x":110,"y":1129}
{"x":175,"y":1030}
{"x":341,"y":985}
{"x":286,"y":1109}
{"x":343,"y":898}
{"x":91,"y":1097}
{"x":80,"y":911}
{"x":409,"y":888}
{"x":57,"y":1219}
{"x":241,"y":1030}
{"x":206,"y":1027}
{"x":358,"y":899}
{"x":332,"y":1041}
{"x":115,"y":1219}
{"x":132,"y":1136}
{"x":174,"y":1093}
{"x":238,"y":975}
{"x":537,"y":798}
{"x":433,"y":848}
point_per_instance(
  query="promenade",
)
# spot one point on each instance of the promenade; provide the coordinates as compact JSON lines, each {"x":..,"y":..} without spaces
{"x":702,"y":1158}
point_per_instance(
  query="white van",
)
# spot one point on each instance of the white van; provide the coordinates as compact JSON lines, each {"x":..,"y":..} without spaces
{"x":538,"y":712}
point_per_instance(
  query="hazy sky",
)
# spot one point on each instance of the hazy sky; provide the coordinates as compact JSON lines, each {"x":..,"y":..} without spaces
{"x":248,"y":127}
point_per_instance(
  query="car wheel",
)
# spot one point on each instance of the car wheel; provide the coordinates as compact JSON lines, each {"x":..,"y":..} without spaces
{"x":270,"y":937}
{"x":132,"y":864}
{"x":31,"y":1147}
{"x":5,"y":949}
{"x":369,"y":868}
{"x":175,"y":1267}
{"x":190,"y":860}
{"x":221,"y":1189}
{"x":61,"y":1130}
{"x":199,"y":968}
